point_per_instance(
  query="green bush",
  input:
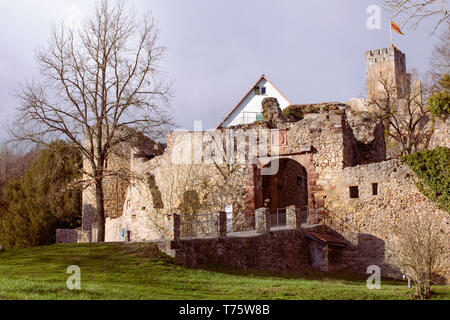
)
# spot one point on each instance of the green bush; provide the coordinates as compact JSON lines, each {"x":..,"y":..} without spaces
{"x":439,"y":104}
{"x":293,"y":113}
{"x":35,"y":203}
{"x":432,"y":167}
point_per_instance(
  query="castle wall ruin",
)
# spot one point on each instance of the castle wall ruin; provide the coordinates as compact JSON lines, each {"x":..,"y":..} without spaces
{"x":332,"y":166}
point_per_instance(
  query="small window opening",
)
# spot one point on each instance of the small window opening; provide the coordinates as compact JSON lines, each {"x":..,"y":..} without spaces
{"x":354,"y":192}
{"x":375,"y":189}
{"x":257,"y":90}
{"x":299,"y":181}
{"x":263,"y":90}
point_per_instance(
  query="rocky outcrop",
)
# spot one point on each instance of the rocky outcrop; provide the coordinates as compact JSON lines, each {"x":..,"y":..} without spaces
{"x":272,"y":112}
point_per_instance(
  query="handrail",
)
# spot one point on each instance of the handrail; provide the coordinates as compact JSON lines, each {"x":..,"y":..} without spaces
{"x":332,"y":214}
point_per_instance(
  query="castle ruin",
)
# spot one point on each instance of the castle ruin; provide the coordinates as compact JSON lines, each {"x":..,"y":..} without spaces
{"x":335,"y":191}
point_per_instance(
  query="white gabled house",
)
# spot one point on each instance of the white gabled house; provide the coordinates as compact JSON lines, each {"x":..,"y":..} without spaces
{"x":249,"y":109}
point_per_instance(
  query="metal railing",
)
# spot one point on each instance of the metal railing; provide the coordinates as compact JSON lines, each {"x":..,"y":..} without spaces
{"x":206,"y":225}
{"x":250,"y":117}
{"x":278,"y":217}
{"x":340,"y":224}
{"x":242,"y":222}
{"x":304,"y":211}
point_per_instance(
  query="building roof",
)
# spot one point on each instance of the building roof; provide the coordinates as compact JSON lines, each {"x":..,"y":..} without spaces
{"x":326,"y":239}
{"x":263,"y":77}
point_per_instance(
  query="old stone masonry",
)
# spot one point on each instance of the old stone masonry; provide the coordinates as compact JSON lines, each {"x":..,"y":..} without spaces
{"x":276,"y":194}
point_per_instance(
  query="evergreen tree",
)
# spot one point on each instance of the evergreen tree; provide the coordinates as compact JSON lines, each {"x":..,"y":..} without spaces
{"x":40,"y":202}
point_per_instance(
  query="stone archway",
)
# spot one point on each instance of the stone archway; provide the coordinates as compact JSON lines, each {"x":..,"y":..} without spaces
{"x":288,"y":187}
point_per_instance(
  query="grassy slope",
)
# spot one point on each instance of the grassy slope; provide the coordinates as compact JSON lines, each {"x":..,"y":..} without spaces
{"x":139,"y":271}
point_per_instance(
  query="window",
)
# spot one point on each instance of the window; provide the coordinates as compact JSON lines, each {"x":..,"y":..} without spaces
{"x":375,"y":189}
{"x":354,"y":192}
{"x":259,"y":117}
{"x":263,"y":90}
{"x":257,"y":90}
{"x":299,"y":181}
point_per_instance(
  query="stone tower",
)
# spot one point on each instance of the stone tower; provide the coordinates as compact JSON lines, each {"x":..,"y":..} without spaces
{"x":388,"y":66}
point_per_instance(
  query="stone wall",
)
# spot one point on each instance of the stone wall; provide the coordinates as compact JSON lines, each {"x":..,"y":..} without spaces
{"x":277,"y":250}
{"x":292,"y":249}
{"x":117,"y":177}
{"x":385,"y":193}
{"x":319,"y":145}
{"x":441,"y":136}
{"x":71,"y":236}
{"x":339,"y":188}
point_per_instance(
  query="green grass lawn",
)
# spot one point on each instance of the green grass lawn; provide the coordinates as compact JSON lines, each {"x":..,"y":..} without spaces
{"x":140,"y":271}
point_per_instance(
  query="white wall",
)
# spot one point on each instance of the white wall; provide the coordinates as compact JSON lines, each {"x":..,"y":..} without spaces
{"x":253,"y":103}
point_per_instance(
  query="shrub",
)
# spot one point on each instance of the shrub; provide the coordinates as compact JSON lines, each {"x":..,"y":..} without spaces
{"x":294,"y":113}
{"x":432,"y":167}
{"x":439,"y":104}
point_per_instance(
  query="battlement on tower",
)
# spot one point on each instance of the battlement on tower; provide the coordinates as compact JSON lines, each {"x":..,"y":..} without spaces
{"x":386,"y":65}
{"x":386,"y":54}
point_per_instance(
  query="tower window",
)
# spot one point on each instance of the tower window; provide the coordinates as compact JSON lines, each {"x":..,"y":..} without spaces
{"x":354,"y":192}
{"x":375,"y":189}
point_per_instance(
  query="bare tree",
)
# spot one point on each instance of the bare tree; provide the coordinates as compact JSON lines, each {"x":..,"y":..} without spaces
{"x":421,"y":248}
{"x":14,"y":163}
{"x":415,"y":11}
{"x":440,"y":58}
{"x":196,"y":191}
{"x":406,"y":116}
{"x":98,"y":82}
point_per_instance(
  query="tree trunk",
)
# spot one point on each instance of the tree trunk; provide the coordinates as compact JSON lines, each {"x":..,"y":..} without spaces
{"x":100,"y":210}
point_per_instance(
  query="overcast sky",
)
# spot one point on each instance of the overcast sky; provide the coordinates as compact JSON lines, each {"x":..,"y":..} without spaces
{"x":313,"y":51}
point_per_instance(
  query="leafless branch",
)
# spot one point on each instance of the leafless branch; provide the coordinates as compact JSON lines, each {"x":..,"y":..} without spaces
{"x":101,"y":85}
{"x":414,"y":12}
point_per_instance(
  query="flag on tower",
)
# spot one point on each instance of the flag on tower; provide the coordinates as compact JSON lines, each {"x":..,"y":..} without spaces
{"x":395,"y":27}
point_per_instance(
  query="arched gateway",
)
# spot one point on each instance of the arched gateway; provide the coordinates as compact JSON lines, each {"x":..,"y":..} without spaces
{"x":289,"y":186}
